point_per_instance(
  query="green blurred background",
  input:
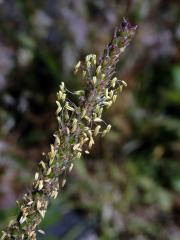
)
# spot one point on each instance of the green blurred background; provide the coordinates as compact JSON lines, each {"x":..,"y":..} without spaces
{"x":128,"y":187}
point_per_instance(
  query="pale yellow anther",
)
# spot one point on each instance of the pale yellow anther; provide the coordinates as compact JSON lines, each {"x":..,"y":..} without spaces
{"x":107,"y":93}
{"x":108,"y":128}
{"x":74,"y":125}
{"x":108,"y":104}
{"x":36,"y":176}
{"x":78,"y":155}
{"x":59,"y":107}
{"x":40,"y":187}
{"x":66,"y":115}
{"x":57,"y":139}
{"x":88,"y":64}
{"x":63,"y":182}
{"x":71,"y":167}
{"x":104,"y":133}
{"x":91,"y":142}
{"x":122,"y":49}
{"x":67,"y":131}
{"x":111,"y":93}
{"x":83,"y":113}
{"x":98,"y":70}
{"x":43,"y":164}
{"x":96,"y":130}
{"x":86,"y":139}
{"x":94,"y":80}
{"x":62,"y":86}
{"x":78,"y":65}
{"x":38,"y":204}
{"x":84,"y":73}
{"x":76,"y":146}
{"x":59,"y":95}
{"x":49,"y":171}
{"x":87,"y":118}
{"x":120,"y":88}
{"x":97,"y":120}
{"x":103,"y":76}
{"x":64,"y":97}
{"x":124,"y":83}
{"x":113,"y":82}
{"x":68,"y":107}
{"x":114,"y":98}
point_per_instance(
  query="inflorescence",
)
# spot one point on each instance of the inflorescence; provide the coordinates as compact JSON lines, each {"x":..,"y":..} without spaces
{"x":78,"y":125}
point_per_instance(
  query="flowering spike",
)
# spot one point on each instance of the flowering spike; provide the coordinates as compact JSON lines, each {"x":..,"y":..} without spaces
{"x":74,"y":135}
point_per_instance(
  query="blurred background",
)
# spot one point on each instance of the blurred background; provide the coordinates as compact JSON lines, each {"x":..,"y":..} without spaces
{"x":128,"y":187}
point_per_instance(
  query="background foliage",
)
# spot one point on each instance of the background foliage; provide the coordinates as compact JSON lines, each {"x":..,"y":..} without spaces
{"x":127,"y":188}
